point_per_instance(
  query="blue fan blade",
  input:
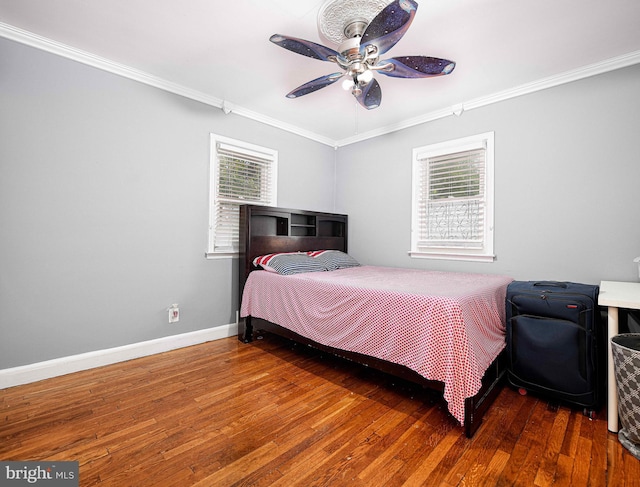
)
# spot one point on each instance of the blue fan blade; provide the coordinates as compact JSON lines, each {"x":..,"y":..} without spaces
{"x":315,"y":85}
{"x":371,"y":95}
{"x":306,"y":48}
{"x":417,"y":67}
{"x":389,"y":25}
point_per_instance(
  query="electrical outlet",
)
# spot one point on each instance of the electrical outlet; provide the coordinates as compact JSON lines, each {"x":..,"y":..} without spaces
{"x":174,"y":313}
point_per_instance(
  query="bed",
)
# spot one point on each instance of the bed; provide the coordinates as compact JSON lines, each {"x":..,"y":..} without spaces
{"x":444,"y":331}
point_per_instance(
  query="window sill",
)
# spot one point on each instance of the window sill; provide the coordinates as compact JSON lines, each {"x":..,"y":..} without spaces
{"x":452,"y":256}
{"x":221,"y":255}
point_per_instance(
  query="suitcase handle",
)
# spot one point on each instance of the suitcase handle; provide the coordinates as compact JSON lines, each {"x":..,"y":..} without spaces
{"x":551,"y":284}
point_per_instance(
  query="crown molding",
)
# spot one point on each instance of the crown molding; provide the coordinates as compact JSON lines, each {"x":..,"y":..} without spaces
{"x":45,"y":44}
{"x":63,"y":50}
{"x":258,"y":117}
{"x":28,"y":38}
{"x":595,"y":69}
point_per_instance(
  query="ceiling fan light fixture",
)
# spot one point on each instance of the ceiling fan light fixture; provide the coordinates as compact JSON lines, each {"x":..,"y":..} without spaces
{"x":365,"y":77}
{"x":347,"y":84}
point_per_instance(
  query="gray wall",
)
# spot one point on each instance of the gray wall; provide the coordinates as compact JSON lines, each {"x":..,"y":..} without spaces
{"x":567,"y":169}
{"x":104,"y":207}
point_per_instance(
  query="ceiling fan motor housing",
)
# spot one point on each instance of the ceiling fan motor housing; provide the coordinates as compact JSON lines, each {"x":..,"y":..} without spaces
{"x":355,"y":28}
{"x":350,"y":49}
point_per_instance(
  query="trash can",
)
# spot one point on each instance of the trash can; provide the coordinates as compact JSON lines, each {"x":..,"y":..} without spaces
{"x":626,"y":362}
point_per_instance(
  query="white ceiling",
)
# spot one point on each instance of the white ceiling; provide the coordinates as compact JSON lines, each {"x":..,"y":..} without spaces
{"x":217,"y":51}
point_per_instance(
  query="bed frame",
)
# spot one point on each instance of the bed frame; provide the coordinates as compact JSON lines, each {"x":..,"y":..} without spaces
{"x":265,"y":230}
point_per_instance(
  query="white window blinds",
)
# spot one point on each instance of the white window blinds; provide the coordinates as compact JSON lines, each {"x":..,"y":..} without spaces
{"x":452,"y":196}
{"x":451,"y":201}
{"x":242,"y":174}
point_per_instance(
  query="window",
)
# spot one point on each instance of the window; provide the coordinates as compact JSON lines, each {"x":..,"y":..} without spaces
{"x":452,"y":200}
{"x":241,"y":173}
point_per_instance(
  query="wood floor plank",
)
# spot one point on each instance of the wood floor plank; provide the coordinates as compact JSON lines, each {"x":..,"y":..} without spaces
{"x":471,"y":463}
{"x":418,"y":477}
{"x":393,"y":444}
{"x":495,"y":468}
{"x":580,"y":475}
{"x":598,"y":469}
{"x":545,"y":476}
{"x":631,"y":471}
{"x":268,"y":413}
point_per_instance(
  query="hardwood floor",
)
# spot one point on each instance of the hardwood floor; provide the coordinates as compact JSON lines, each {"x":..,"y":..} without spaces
{"x":224,"y":413}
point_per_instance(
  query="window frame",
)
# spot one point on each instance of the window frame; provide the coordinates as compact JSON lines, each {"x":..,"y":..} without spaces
{"x":484,"y":253}
{"x":251,"y":150}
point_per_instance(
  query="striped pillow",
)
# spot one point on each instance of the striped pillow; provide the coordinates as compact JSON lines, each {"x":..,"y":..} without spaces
{"x":334,"y":259}
{"x":263,"y":260}
{"x":289,"y":263}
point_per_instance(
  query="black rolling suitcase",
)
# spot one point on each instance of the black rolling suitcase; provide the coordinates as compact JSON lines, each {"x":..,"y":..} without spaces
{"x":555,"y":343}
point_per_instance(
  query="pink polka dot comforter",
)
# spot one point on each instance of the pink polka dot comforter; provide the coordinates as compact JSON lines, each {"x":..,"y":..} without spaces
{"x":445,"y":326}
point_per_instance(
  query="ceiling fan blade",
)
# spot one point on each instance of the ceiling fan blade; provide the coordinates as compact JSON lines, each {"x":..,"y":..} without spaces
{"x":389,"y":25}
{"x":417,"y":67}
{"x":370,"y":95}
{"x":306,"y":48}
{"x":315,"y":85}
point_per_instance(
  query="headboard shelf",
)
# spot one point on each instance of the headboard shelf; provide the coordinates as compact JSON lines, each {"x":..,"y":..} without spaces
{"x":303,"y":225}
{"x":269,"y":225}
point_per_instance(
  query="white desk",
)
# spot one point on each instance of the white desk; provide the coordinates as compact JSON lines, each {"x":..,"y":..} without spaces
{"x":615,"y":295}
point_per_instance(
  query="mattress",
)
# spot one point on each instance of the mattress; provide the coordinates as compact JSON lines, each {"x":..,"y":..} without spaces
{"x":447,"y":327}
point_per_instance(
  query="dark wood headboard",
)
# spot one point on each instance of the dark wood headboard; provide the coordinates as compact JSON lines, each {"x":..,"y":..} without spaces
{"x":267,"y":229}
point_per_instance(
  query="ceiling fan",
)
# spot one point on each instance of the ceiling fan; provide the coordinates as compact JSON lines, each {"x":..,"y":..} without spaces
{"x":362,"y":37}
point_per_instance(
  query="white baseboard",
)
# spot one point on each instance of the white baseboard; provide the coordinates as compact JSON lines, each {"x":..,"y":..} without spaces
{"x":25,"y":374}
